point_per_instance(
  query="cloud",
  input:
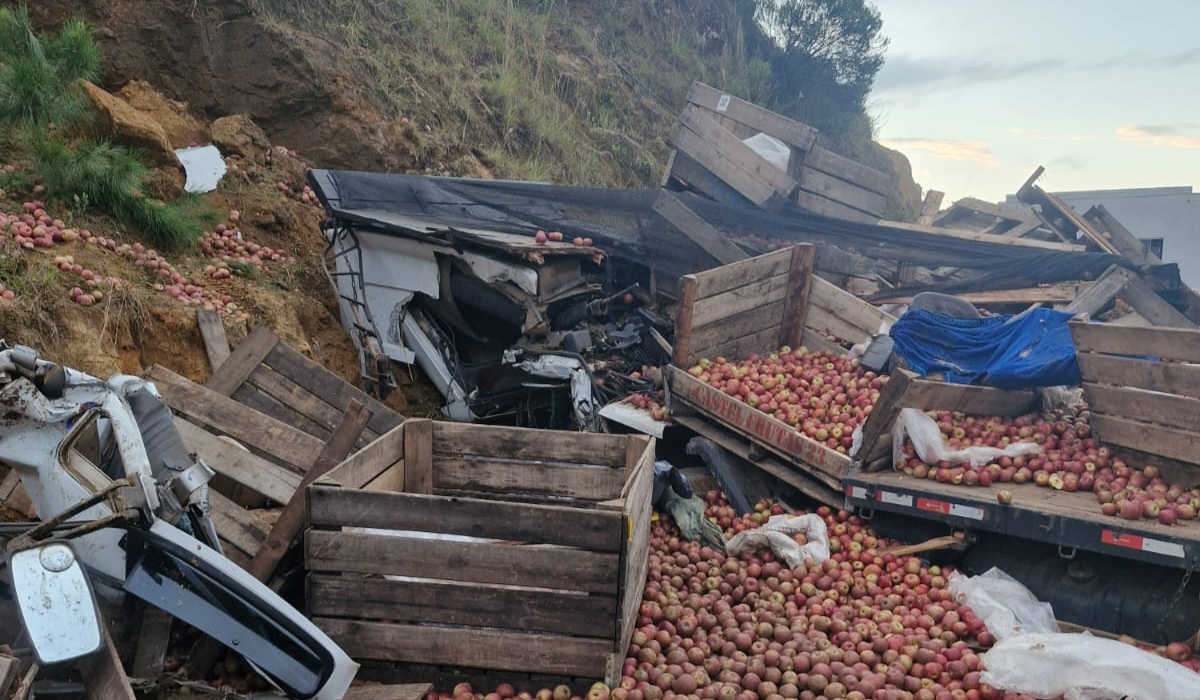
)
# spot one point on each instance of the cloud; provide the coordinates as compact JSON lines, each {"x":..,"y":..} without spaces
{"x":1068,"y":163}
{"x":906,"y":71}
{"x":1034,"y":134}
{"x":1158,"y":135}
{"x":946,"y":149}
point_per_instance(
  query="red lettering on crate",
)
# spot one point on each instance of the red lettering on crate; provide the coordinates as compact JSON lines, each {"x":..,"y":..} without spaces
{"x":933,"y":506}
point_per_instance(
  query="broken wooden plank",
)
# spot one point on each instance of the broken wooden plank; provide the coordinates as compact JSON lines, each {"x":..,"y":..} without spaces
{"x":102,"y":672}
{"x":789,"y":131}
{"x":1058,"y":292}
{"x":980,"y":237}
{"x":14,"y":497}
{"x":154,"y":638}
{"x":239,"y":464}
{"x":1150,"y":306}
{"x":10,"y":670}
{"x":955,"y":540}
{"x":246,"y":358}
{"x":827,"y":207}
{"x":1102,"y":292}
{"x":796,"y":295}
{"x":930,"y":207}
{"x":689,"y":173}
{"x":212,"y":332}
{"x":715,"y":243}
{"x":291,"y":521}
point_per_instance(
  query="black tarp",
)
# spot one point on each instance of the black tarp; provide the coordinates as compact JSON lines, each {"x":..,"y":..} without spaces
{"x":626,"y":217}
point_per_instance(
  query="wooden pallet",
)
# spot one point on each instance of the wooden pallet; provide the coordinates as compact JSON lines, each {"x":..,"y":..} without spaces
{"x":552,"y":510}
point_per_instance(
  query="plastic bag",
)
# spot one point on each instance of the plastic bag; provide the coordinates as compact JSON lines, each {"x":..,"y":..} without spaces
{"x":1061,"y":397}
{"x":771,"y":149}
{"x":927,"y":439}
{"x":1004,"y":604}
{"x":1084,"y":667}
{"x":776,"y":535}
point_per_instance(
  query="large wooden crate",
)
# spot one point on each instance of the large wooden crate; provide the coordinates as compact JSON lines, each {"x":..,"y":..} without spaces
{"x":518,"y":550}
{"x":1148,"y":404}
{"x":756,"y":306}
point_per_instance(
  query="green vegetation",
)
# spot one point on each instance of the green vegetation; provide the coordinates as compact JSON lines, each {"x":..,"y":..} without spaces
{"x":39,"y":110}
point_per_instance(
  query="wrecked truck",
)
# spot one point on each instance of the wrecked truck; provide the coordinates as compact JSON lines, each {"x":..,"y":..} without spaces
{"x":123,"y":507}
{"x":509,"y":330}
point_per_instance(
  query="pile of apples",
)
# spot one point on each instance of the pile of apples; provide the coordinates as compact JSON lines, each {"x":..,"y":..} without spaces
{"x":226,"y":244}
{"x":1072,"y":460}
{"x":34,"y":228}
{"x":823,"y":396}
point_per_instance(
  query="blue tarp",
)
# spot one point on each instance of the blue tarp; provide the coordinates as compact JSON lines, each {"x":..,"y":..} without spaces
{"x":1032,"y":349}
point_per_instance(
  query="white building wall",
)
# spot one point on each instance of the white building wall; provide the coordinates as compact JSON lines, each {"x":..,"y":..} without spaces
{"x":1169,"y":213}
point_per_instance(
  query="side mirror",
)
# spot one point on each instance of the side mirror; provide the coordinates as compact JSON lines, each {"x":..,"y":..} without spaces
{"x":55,"y":600}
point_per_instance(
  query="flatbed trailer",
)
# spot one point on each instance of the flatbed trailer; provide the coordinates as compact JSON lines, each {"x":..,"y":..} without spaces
{"x":1132,"y":407}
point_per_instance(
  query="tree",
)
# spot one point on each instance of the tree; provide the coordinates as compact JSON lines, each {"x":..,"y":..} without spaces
{"x":826,"y":43}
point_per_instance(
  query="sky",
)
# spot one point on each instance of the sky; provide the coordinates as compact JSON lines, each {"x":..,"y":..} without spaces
{"x":1105,"y":93}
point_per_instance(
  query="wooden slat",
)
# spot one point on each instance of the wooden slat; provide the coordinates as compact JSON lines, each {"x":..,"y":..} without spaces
{"x":682,"y":352}
{"x":418,"y":456}
{"x":1166,"y":377}
{"x":462,"y":604}
{"x":534,"y":566}
{"x":243,"y":467}
{"x":103,"y":674}
{"x":212,"y":332}
{"x":742,"y":345}
{"x":814,"y":342}
{"x":930,"y":207}
{"x":980,"y":237}
{"x":225,"y":415}
{"x":471,"y":647}
{"x":1168,"y":343}
{"x":487,"y":519}
{"x":727,"y":277}
{"x":771,"y":433}
{"x":1106,"y":224}
{"x":723,"y":154}
{"x":852,"y":310}
{"x":368,"y":463}
{"x":828,"y":207}
{"x":926,"y":395}
{"x":337,"y":392}
{"x":527,"y":444}
{"x":154,"y":637}
{"x":789,"y":131}
{"x":246,"y":357}
{"x":291,"y":520}
{"x":729,"y":304}
{"x":1102,"y":292}
{"x":1056,"y":293}
{"x":836,"y":261}
{"x":846,"y":169}
{"x":679,"y":215}
{"x":686,"y":171}
{"x":10,"y":670}
{"x":596,"y":483}
{"x":830,"y":187}
{"x":638,"y":493}
{"x":298,"y":399}
{"x":259,"y":400}
{"x":1150,"y":306}
{"x":236,"y":525}
{"x":795,"y":303}
{"x":1182,"y":445}
{"x":767,"y":317}
{"x":1146,"y":406}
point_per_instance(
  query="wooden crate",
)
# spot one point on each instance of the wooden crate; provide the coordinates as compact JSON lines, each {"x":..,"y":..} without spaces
{"x":1147,"y":405}
{"x":711,"y":157}
{"x":551,"y":582}
{"x":759,"y":305}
